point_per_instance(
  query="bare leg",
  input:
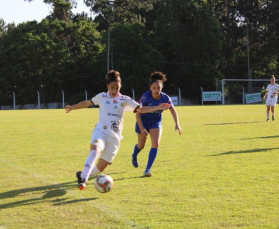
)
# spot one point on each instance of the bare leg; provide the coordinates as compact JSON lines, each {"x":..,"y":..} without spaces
{"x":141,"y":144}
{"x":273,"y":112}
{"x":267,"y":112}
{"x":155,"y":135}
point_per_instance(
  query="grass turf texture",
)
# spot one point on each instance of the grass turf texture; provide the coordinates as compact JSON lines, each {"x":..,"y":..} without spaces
{"x":222,"y":172}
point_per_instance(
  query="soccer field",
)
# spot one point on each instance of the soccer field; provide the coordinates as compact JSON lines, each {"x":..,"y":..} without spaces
{"x":222,"y":172}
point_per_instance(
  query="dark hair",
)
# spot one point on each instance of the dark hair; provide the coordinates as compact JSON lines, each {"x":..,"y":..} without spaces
{"x":157,"y":77}
{"x":113,"y":76}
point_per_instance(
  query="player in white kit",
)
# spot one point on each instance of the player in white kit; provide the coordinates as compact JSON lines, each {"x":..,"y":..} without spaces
{"x":271,"y":97}
{"x":106,"y":136}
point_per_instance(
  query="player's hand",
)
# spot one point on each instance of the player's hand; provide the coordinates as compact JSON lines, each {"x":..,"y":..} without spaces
{"x":68,"y":108}
{"x":179,"y":129}
{"x":164,"y":106}
{"x":144,"y":132}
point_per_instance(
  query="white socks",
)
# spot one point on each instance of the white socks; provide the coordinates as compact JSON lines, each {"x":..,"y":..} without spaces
{"x":90,"y":162}
{"x":94,"y":171}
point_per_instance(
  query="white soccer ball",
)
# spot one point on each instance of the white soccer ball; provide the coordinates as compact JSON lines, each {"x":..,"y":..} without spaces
{"x":103,"y":183}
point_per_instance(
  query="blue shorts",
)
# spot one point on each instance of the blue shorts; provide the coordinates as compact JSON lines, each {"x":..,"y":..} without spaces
{"x":149,"y":126}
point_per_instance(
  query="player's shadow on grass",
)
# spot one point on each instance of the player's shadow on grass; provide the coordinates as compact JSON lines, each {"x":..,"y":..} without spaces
{"x":51,"y":193}
{"x":230,"y":123}
{"x":127,"y":178}
{"x":244,"y":151}
{"x":264,"y":137}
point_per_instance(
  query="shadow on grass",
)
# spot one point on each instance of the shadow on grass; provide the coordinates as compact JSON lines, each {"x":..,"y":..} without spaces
{"x":127,"y":178}
{"x":244,"y":151}
{"x":230,"y":123}
{"x":47,"y":192}
{"x":265,"y":137}
{"x":43,"y":192}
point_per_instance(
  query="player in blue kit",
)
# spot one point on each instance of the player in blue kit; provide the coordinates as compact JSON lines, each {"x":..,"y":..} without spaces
{"x":151,"y":123}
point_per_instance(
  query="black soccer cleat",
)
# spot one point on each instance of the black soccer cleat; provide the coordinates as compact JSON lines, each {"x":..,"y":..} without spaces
{"x":82,"y":184}
{"x":78,"y":175}
{"x":273,"y":118}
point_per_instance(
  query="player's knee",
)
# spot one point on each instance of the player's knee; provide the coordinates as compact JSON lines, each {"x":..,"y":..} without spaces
{"x":155,"y":145}
{"x":93,"y":147}
{"x":141,"y":146}
{"x":101,"y":170}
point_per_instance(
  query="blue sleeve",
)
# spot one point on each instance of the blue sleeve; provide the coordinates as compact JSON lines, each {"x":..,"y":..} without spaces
{"x":143,"y":100}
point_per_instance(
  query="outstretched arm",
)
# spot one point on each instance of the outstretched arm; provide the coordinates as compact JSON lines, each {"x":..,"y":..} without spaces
{"x":175,"y":118}
{"x":148,"y":109}
{"x":83,"y":104}
{"x":139,"y":121}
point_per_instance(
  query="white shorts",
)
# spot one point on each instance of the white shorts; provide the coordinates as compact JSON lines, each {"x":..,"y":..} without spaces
{"x":271,"y":102}
{"x":108,"y":145}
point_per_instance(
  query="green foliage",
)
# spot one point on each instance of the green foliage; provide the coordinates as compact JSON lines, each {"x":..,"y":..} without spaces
{"x":47,"y":57}
{"x":2,"y":27}
{"x":131,"y":53}
{"x":190,"y":41}
{"x":194,"y":42}
{"x":121,"y":11}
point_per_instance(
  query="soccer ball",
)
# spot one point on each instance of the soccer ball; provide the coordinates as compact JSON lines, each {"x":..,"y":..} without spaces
{"x":103,"y":183}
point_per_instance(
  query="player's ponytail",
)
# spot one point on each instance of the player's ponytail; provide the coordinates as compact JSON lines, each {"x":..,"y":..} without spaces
{"x":113,"y":76}
{"x":157,"y":77}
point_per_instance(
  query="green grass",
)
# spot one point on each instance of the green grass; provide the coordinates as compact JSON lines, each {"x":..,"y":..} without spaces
{"x":222,"y":172}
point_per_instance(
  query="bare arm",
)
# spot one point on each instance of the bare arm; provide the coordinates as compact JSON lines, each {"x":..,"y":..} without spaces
{"x":83,"y":104}
{"x":139,"y":121}
{"x":148,"y":109}
{"x":175,"y":118}
{"x":266,"y":93}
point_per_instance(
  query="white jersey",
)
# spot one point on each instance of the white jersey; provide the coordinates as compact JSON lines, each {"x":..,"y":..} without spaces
{"x":271,"y":89}
{"x":111,"y":112}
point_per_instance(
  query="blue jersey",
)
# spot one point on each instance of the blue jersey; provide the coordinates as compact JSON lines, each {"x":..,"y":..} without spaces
{"x":156,"y":116}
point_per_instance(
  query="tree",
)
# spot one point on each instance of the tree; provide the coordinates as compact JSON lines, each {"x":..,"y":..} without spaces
{"x":188,"y":36}
{"x":132,"y":56}
{"x":2,"y":27}
{"x":121,"y":11}
{"x":48,"y":57}
{"x":61,"y":8}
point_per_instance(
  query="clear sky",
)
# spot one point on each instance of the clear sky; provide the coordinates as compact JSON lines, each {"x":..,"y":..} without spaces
{"x":19,"y":11}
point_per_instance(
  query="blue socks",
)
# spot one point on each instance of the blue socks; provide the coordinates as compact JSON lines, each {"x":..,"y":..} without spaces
{"x":135,"y":156}
{"x":152,"y":156}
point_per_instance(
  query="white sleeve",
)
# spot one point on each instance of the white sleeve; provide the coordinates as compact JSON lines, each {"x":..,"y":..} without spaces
{"x":130,"y":105}
{"x":97,"y":99}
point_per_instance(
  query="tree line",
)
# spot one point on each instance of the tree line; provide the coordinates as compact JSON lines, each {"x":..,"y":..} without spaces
{"x":194,"y":42}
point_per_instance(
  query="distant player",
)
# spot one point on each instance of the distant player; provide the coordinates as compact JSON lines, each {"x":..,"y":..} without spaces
{"x":105,"y":140}
{"x":271,"y":96}
{"x":263,"y":91}
{"x":151,"y":123}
